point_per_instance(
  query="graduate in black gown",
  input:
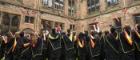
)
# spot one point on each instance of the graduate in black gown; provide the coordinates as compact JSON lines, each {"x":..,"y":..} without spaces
{"x":110,"y":45}
{"x":36,"y":47}
{"x":102,"y":42}
{"x":63,"y":56}
{"x":17,"y":46}
{"x":54,"y":46}
{"x":83,"y":46}
{"x":80,"y":43}
{"x":136,"y":38}
{"x":75,"y":44}
{"x":69,"y":48}
{"x":95,"y":46}
{"x":26,"y":53}
{"x":8,"y":46}
{"x":126,"y":44}
{"x":43,"y":37}
{"x":1,"y":48}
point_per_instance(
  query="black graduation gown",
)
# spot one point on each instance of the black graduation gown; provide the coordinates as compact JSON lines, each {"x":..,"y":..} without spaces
{"x":84,"y":53}
{"x":95,"y":52}
{"x":1,"y":49}
{"x":127,"y":50}
{"x":111,"y":47}
{"x":69,"y":49}
{"x":8,"y":49}
{"x":102,"y":53}
{"x":54,"y":47}
{"x":37,"y":50}
{"x":136,"y":39}
{"x":26,"y":52}
{"x":45,"y":49}
{"x":18,"y":49}
{"x":62,"y":49}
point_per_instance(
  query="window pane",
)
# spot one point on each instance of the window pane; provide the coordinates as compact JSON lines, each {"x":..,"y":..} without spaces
{"x":50,"y":3}
{"x":112,"y":2}
{"x":72,"y":8}
{"x":45,"y":2}
{"x":15,"y":21}
{"x":29,"y":19}
{"x":72,"y":26}
{"x":6,"y":19}
{"x":137,"y":19}
{"x":6,"y":22}
{"x":93,"y":5}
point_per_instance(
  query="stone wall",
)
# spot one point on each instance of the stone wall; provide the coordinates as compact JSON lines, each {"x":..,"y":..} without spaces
{"x":38,"y":15}
{"x":107,"y":19}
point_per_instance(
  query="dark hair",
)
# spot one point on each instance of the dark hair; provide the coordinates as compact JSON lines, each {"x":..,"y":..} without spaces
{"x":68,"y":30}
{"x":112,"y":30}
{"x":21,"y":34}
{"x":127,"y":28}
{"x":81,"y":35}
{"x":106,"y":32}
{"x":138,"y":26}
{"x":53,"y":31}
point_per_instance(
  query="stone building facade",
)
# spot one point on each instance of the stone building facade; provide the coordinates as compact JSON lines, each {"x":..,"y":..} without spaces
{"x":79,"y":15}
{"x":125,"y":10}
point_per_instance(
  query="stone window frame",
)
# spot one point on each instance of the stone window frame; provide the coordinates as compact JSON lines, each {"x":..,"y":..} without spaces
{"x":48,"y":22}
{"x":29,"y":19}
{"x":71,"y":8}
{"x":72,"y":27}
{"x":54,"y":4}
{"x":113,"y":7}
{"x":134,"y":18}
{"x":10,"y":26}
{"x":112,"y":3}
{"x":93,"y":7}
